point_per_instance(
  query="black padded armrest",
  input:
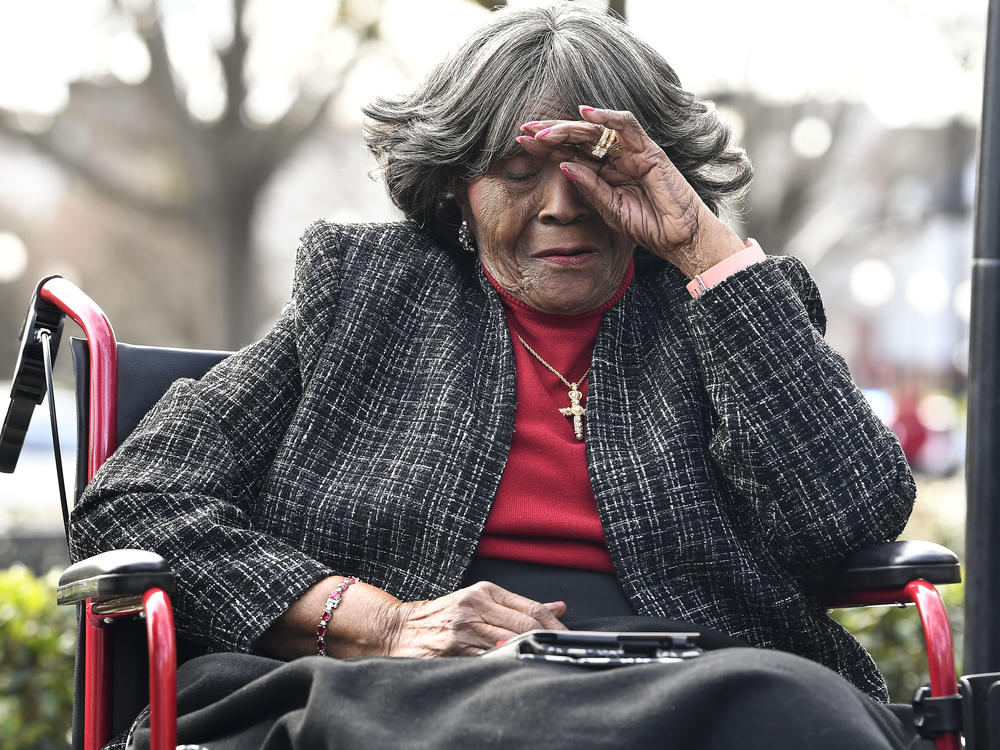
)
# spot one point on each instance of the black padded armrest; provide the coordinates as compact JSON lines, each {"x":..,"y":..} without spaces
{"x":114,"y":574}
{"x":892,"y":565}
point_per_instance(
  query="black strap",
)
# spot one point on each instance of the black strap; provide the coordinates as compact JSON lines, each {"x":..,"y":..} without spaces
{"x":44,"y":338}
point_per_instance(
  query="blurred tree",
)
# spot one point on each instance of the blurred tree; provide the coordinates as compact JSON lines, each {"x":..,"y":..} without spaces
{"x":145,"y":147}
{"x":160,"y":160}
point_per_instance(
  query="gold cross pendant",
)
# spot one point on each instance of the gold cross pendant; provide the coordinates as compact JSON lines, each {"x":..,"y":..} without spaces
{"x":576,"y":411}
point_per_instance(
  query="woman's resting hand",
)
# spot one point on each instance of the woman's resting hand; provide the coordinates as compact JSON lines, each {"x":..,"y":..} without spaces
{"x":638,"y":191}
{"x":372,"y":622}
{"x":469,"y":621}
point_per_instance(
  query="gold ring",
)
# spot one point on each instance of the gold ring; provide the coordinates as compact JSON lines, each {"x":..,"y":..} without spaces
{"x":607,"y":144}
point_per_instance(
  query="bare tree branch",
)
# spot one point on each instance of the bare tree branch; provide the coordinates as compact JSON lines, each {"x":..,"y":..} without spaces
{"x":232,"y":61}
{"x":286,"y":135}
{"x":223,"y":165}
{"x":193,"y":145}
{"x":100,"y":181}
{"x":161,"y":75}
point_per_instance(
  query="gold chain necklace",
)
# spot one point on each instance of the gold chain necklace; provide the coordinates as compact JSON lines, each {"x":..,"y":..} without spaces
{"x":575,"y":410}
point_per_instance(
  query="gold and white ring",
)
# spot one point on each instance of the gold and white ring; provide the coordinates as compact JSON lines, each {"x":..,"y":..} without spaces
{"x":608,"y":143}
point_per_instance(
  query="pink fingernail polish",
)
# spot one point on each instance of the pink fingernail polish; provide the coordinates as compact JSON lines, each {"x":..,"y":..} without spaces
{"x":523,"y":138}
{"x":586,"y":108}
{"x":542,"y":133}
{"x":566,"y":172}
{"x":530,"y":124}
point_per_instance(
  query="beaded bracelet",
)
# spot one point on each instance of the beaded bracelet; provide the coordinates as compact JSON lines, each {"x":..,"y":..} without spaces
{"x":332,"y":602}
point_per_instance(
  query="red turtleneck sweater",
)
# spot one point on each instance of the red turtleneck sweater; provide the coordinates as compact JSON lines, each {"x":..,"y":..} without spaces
{"x":544,"y":511}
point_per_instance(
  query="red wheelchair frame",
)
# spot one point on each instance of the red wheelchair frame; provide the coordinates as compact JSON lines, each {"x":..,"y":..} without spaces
{"x":101,"y":611}
{"x":101,"y":443}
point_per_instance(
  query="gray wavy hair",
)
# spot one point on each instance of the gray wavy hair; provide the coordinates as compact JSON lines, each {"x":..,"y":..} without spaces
{"x":535,"y":64}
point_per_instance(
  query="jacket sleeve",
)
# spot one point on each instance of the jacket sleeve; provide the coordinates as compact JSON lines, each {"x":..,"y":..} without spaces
{"x":794,"y":435}
{"x":183,"y":484}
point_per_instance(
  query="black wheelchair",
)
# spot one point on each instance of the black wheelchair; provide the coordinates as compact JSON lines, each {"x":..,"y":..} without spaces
{"x":123,"y":596}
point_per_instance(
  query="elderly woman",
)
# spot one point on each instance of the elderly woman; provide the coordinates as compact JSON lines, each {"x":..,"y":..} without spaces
{"x":561,"y":389}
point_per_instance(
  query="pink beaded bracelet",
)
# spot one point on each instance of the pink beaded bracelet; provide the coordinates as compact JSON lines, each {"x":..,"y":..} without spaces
{"x":332,"y":602}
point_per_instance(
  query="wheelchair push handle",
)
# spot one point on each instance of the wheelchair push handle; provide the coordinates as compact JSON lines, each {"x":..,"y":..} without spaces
{"x":53,"y":299}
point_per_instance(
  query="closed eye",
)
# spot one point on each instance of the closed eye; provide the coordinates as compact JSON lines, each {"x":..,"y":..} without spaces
{"x":521,"y":176}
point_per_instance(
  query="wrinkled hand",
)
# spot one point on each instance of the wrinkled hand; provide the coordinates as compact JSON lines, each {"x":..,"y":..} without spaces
{"x":638,"y":192}
{"x":467,"y":621}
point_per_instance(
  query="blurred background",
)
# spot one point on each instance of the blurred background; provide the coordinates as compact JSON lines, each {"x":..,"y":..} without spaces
{"x":165,"y":156}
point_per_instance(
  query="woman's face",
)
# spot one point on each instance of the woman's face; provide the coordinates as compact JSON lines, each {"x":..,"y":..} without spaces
{"x":541,"y":241}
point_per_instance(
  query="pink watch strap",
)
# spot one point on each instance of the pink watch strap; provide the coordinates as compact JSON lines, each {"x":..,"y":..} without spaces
{"x":705,"y":280}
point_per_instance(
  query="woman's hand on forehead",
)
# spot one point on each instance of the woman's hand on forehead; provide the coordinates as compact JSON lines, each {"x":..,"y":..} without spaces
{"x":638,"y":190}
{"x":574,"y":141}
{"x":563,"y":140}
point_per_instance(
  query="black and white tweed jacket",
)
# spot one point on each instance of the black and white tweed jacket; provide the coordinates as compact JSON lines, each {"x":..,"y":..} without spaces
{"x":731,"y":455}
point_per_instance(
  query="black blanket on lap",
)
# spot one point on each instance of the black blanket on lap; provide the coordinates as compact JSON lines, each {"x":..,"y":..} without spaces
{"x":727,"y":698}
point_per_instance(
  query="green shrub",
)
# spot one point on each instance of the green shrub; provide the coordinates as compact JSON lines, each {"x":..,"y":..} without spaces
{"x":36,"y":662}
{"x":895,"y":638}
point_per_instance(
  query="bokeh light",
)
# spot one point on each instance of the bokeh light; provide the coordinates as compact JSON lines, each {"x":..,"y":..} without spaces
{"x":811,"y":137}
{"x":127,"y":57}
{"x":938,"y":412}
{"x":13,"y":257}
{"x":881,"y":403}
{"x":927,"y":291}
{"x":872,"y":282}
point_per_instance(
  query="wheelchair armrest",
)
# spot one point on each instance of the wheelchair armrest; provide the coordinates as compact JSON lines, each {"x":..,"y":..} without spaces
{"x":117,"y":574}
{"x":891,"y":566}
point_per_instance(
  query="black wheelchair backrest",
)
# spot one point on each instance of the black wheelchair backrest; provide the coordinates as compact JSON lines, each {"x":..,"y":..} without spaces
{"x":144,"y":375}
